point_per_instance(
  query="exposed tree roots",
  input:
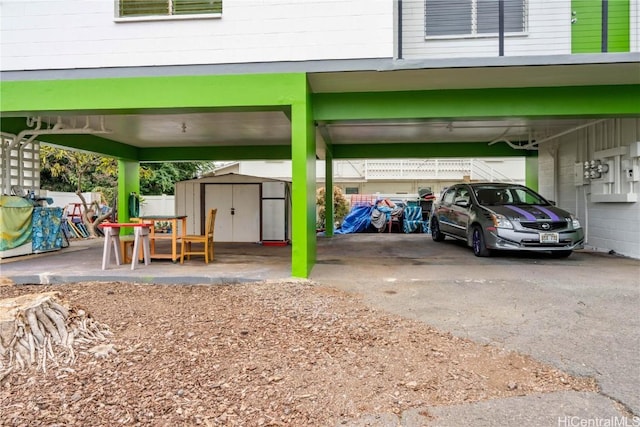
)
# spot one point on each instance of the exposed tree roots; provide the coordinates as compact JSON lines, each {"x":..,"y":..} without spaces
{"x":40,"y":329}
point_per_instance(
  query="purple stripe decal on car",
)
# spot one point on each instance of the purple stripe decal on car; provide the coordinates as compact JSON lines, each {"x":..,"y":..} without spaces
{"x":552,"y":215}
{"x":527,"y":215}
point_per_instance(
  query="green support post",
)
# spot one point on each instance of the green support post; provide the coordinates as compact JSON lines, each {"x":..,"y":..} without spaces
{"x":328,"y":191}
{"x":303,"y":161}
{"x":531,"y":172}
{"x":128,"y":183}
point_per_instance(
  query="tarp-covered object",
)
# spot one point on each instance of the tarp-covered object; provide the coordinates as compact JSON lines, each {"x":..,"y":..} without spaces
{"x":46,"y":229}
{"x":356,"y":221}
{"x":15,"y":221}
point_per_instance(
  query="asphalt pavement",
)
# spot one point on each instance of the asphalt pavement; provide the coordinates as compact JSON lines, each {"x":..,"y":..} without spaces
{"x":579,"y":314}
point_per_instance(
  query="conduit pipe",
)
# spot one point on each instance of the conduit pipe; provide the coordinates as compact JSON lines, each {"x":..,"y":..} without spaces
{"x":57,"y":129}
{"x":563,"y":133}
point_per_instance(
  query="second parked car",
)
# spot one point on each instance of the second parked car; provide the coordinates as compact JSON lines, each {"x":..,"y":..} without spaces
{"x":493,"y":216}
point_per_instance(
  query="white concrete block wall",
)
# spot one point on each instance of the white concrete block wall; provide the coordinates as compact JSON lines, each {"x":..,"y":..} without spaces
{"x":609,"y":226}
{"x":58,"y":34}
{"x":549,"y":33}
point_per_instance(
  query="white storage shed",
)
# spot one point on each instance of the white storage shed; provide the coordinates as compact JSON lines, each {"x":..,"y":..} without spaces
{"x":250,"y":208}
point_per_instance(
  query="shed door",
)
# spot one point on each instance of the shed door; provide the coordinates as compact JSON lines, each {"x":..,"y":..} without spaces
{"x":238,"y":217}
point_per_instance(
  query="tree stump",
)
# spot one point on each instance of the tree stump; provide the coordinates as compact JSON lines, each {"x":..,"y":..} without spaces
{"x":36,"y":329}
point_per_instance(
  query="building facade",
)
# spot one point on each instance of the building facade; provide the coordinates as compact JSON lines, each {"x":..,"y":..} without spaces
{"x":555,"y":82}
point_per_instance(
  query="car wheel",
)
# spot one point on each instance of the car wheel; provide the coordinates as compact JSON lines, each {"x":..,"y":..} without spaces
{"x":436,"y":234}
{"x":477,"y":242}
{"x":561,"y":254}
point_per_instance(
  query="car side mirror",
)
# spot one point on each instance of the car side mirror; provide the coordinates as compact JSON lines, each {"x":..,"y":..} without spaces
{"x":553,"y":202}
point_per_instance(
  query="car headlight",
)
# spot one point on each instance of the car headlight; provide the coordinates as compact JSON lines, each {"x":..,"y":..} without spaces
{"x":575,"y":223}
{"x":501,"y":221}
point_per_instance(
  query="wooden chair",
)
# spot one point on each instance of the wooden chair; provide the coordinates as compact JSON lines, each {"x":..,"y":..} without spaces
{"x":205,"y":239}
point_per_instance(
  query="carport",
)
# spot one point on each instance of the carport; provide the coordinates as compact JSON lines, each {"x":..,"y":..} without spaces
{"x":381,"y":108}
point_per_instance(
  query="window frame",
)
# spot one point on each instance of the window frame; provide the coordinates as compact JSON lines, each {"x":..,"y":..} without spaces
{"x":171,"y":16}
{"x":474,"y":34}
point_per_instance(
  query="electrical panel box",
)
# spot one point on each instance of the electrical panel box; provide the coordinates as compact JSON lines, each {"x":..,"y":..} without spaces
{"x":632,"y":174}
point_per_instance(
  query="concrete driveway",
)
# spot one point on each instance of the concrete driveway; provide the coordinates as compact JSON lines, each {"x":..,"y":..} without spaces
{"x":579,"y":314}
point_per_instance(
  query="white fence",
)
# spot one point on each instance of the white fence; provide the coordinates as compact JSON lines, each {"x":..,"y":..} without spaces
{"x":151,"y":205}
{"x":157,"y":205}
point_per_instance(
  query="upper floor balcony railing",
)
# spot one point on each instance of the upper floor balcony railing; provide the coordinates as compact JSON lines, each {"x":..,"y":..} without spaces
{"x":424,"y":169}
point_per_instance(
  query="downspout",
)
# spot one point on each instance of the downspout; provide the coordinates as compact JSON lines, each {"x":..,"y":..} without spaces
{"x":399,"y":29}
{"x":605,"y":26}
{"x":501,"y":27}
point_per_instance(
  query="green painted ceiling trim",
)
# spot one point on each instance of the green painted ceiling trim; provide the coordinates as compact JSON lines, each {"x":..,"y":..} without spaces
{"x":575,"y":101}
{"x":427,"y":150}
{"x":239,"y":152}
{"x":143,"y":94}
{"x":93,"y":144}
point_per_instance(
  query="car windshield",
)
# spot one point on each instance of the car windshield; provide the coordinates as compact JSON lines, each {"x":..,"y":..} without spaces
{"x":516,"y":195}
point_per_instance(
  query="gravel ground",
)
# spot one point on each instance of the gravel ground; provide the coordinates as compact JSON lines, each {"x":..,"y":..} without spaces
{"x":266,"y":353}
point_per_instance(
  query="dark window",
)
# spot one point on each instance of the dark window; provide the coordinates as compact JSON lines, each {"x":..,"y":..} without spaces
{"x":168,"y":7}
{"x":472,"y":17}
{"x":448,"y":17}
{"x":448,"y":196}
{"x":351,"y":190}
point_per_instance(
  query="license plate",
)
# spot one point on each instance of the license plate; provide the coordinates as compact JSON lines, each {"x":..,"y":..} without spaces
{"x":549,"y":238}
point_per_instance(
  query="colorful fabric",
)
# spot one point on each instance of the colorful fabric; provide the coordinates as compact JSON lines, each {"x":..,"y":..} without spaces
{"x":15,"y":222}
{"x":413,"y":219}
{"x":46,"y":229}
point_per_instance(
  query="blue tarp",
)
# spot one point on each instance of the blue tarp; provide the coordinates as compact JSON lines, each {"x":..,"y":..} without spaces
{"x":356,"y":221}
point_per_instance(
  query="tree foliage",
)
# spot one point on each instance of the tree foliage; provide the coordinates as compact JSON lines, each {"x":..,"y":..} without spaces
{"x":73,"y":171}
{"x":340,"y":205}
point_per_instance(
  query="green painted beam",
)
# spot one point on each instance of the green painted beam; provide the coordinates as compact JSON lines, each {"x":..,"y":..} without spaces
{"x":235,"y":152}
{"x":426,"y":150}
{"x":93,"y":144}
{"x":146,"y":94}
{"x":538,"y":102}
{"x":98,"y":144}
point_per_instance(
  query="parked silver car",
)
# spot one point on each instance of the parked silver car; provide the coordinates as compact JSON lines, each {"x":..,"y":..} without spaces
{"x":490,"y":216}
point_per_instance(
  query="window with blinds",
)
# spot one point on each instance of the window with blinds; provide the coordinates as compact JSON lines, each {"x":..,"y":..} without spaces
{"x":138,"y":8}
{"x":473,"y":17}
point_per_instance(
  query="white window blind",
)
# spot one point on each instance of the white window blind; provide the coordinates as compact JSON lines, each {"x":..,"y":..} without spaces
{"x":473,"y":17}
{"x":137,"y":8}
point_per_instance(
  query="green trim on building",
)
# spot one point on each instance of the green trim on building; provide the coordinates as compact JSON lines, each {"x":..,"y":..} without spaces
{"x":619,"y":26}
{"x":237,"y":152}
{"x":426,"y":150}
{"x":146,"y":95}
{"x":532,"y":102}
{"x":586,"y":30}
